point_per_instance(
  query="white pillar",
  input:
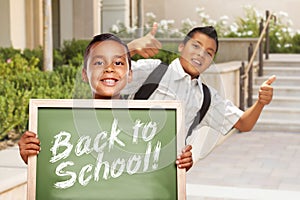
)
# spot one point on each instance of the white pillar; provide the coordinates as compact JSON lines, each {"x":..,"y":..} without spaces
{"x":97,"y":16}
{"x":66,"y":20}
{"x":113,"y":11}
{"x":48,"y":40}
{"x":5,"y":40}
{"x":12,"y":23}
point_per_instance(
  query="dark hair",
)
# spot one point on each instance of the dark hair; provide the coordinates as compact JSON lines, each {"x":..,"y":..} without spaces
{"x":101,"y":38}
{"x":210,"y":31}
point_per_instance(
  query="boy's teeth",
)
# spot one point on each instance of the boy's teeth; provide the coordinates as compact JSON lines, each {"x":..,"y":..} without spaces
{"x":196,"y":61}
{"x":109,"y":80}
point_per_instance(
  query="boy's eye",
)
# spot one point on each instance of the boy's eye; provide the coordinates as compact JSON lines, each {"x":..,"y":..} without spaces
{"x":118,"y":63}
{"x":196,"y":45}
{"x":98,"y":63}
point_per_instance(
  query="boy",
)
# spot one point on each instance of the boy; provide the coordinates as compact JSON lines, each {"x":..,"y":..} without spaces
{"x":182,"y":81}
{"x":107,"y":69}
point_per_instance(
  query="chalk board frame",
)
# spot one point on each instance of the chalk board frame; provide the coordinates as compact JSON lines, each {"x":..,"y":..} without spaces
{"x":36,"y":104}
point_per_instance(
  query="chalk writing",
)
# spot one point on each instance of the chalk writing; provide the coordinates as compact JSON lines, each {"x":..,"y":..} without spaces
{"x":103,"y":143}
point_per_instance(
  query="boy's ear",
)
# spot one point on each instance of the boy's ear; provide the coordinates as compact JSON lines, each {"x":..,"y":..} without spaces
{"x":84,"y":75}
{"x":180,"y":47}
{"x":129,"y":76}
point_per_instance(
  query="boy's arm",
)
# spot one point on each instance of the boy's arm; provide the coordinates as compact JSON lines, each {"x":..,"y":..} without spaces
{"x":146,"y":46}
{"x":251,"y":115}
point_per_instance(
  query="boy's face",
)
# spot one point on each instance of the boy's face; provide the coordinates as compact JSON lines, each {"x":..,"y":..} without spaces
{"x":197,"y":54}
{"x":107,"y":69}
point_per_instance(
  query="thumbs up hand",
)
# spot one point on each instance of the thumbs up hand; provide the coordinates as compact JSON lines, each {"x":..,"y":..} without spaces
{"x":265,"y":93}
{"x":146,"y":46}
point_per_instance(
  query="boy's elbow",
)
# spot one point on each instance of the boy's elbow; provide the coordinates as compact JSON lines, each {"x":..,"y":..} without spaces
{"x":243,"y":126}
{"x":245,"y":129}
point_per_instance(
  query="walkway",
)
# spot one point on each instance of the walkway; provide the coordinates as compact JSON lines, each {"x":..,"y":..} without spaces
{"x":253,"y":165}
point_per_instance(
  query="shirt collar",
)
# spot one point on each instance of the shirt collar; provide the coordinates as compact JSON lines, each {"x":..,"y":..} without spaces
{"x":177,"y":68}
{"x":180,"y":73}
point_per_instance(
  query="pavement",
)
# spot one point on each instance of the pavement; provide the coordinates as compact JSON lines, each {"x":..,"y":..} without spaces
{"x":253,"y":165}
{"x":13,"y":172}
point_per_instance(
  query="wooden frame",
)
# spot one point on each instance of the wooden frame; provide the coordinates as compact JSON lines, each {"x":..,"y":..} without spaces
{"x":38,"y":104}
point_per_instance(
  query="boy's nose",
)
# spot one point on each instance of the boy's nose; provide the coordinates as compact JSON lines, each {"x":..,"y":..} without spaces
{"x":109,"y":68}
{"x":202,"y":52}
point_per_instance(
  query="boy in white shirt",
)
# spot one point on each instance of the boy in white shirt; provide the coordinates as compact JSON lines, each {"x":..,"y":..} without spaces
{"x":182,"y":81}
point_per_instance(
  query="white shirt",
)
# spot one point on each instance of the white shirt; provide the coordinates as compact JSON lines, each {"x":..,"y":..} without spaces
{"x":176,"y":84}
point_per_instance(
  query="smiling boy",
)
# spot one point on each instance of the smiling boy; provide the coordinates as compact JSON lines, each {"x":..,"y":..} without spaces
{"x":182,"y":81}
{"x":107,"y":69}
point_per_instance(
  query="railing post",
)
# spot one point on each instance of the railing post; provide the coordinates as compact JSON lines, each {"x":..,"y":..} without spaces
{"x":242,"y":86}
{"x":250,"y":87}
{"x":267,"y":48}
{"x":260,"y":51}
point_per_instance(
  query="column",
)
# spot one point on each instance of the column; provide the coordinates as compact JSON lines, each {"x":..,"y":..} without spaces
{"x":114,"y":11}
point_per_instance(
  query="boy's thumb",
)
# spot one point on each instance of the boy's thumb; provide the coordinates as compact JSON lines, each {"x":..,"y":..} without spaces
{"x":270,"y":80}
{"x":154,"y":29}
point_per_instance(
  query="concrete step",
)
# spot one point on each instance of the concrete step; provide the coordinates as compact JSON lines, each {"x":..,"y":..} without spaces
{"x":282,"y":91}
{"x":282,"y":71}
{"x":283,"y":101}
{"x":283,"y":113}
{"x":280,"y":80}
{"x":283,"y":60}
{"x":280,"y":64}
{"x":270,"y":112}
{"x":277,"y":125}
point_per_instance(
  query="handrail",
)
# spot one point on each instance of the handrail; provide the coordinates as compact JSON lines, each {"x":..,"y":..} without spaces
{"x":259,"y":41}
{"x":246,"y":72}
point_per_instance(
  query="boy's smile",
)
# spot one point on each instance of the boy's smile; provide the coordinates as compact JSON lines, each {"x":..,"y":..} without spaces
{"x":107,"y":71}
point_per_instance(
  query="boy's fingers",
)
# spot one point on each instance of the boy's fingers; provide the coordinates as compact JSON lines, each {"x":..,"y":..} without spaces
{"x":187,"y":148}
{"x":270,"y":80}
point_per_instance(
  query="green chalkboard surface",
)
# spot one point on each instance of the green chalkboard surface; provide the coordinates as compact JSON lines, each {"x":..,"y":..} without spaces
{"x":99,"y":149}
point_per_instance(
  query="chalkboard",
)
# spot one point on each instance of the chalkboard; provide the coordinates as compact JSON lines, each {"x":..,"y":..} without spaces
{"x":106,"y":149}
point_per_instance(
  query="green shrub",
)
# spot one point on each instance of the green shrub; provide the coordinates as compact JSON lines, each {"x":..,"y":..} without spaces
{"x":73,"y":51}
{"x":24,"y":80}
{"x":34,"y":53}
{"x":296,"y":43}
{"x":164,"y":55}
{"x":8,"y":53}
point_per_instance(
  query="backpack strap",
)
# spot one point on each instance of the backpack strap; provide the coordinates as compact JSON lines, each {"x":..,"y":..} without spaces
{"x":151,"y":83}
{"x":204,"y":108}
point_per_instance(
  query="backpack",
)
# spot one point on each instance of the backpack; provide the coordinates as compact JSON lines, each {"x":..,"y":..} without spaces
{"x":152,"y":82}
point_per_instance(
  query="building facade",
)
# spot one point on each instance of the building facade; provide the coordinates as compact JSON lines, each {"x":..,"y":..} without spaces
{"x":21,"y":21}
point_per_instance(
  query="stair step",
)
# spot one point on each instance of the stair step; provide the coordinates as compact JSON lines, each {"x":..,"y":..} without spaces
{"x":282,"y":63}
{"x":282,"y":71}
{"x":277,"y":125}
{"x":283,"y":101}
{"x":270,"y":112}
{"x":280,"y":80}
{"x":283,"y":60}
{"x":283,"y":91}
{"x":283,"y":113}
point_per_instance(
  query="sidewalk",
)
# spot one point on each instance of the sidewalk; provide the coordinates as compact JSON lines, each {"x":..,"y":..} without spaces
{"x":254,"y":165}
{"x":13,"y":175}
